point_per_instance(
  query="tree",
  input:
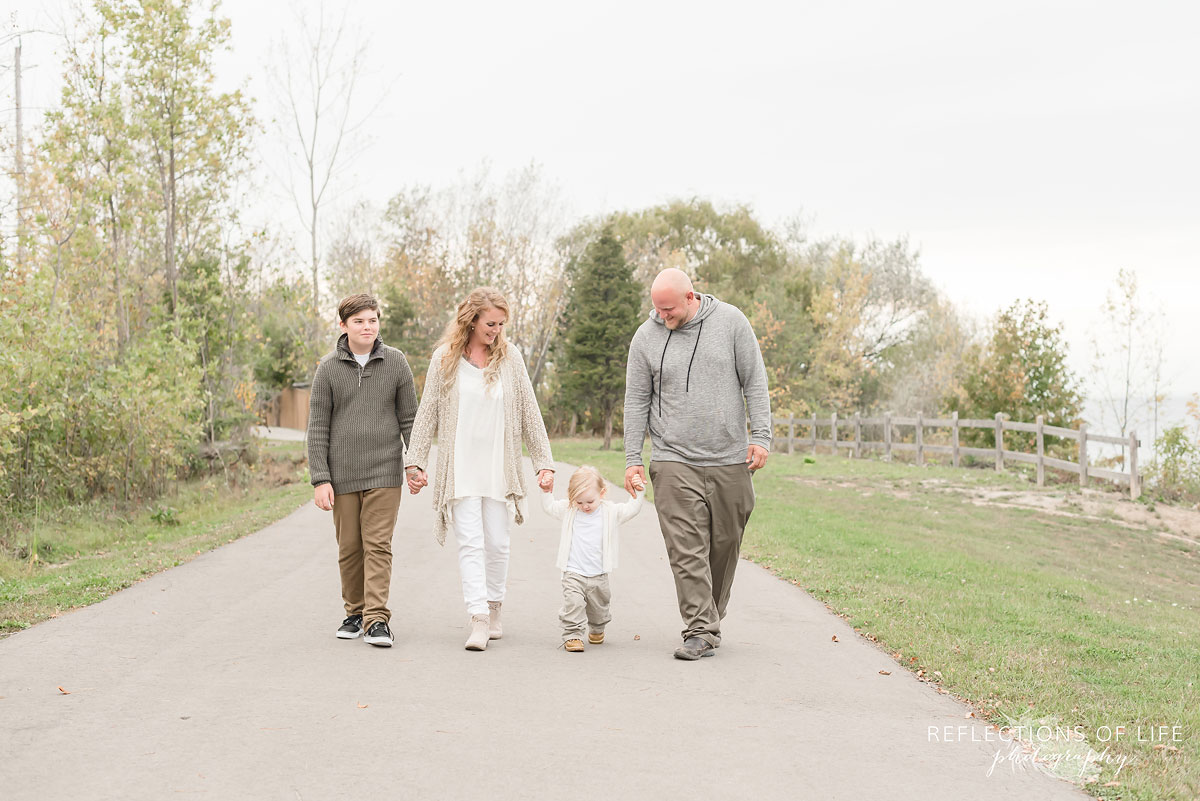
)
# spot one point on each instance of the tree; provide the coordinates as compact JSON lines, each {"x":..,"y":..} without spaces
{"x":727,"y":251}
{"x":927,"y":370}
{"x":1022,"y":372}
{"x":1127,"y":357}
{"x":194,"y":139}
{"x":603,"y":316}
{"x":317,"y":81}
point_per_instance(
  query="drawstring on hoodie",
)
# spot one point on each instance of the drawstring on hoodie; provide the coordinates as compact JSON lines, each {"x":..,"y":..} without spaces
{"x":687,"y":385}
{"x":660,"y":369}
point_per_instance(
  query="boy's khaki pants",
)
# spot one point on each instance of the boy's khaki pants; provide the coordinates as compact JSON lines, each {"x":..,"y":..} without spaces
{"x":586,"y":600}
{"x":363,"y":522}
{"x":702,"y":512}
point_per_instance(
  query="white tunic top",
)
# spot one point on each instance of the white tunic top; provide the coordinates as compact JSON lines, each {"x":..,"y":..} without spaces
{"x":587,"y":552}
{"x":479,"y":441}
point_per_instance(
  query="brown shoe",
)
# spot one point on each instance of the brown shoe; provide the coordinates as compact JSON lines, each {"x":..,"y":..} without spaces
{"x":479,"y":633}
{"x":573,"y":645}
{"x":495,"y":631}
{"x":595,"y":637}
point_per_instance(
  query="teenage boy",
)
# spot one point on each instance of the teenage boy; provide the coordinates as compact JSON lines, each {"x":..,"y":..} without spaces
{"x":359,"y":417}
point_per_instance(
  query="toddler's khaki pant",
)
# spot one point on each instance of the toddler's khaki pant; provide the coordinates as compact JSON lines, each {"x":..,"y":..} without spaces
{"x":585,"y":600}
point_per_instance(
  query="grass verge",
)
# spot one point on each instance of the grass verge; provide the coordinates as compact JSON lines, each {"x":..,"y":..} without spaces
{"x":1027,"y":616}
{"x":77,"y":556}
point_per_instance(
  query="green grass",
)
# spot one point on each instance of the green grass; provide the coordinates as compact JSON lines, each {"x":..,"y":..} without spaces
{"x":1023,"y":614}
{"x":76,"y":556}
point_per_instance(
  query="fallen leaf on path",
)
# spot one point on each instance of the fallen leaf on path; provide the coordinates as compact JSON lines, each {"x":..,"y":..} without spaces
{"x":363,"y":706}
{"x":885,"y":673}
{"x":637,"y":636}
{"x":64,"y":692}
{"x":835,"y":639}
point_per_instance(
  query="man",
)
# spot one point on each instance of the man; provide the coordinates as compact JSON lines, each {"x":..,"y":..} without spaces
{"x":360,"y":415}
{"x":694,"y":372}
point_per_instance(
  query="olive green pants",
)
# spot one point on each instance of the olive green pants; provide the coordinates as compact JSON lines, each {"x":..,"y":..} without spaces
{"x":702,"y":512}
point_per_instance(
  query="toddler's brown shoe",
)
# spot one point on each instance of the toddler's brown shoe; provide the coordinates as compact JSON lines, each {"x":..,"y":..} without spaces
{"x":573,"y":645}
{"x":595,"y":637}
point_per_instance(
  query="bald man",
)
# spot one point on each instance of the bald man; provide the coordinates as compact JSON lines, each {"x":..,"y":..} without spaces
{"x":694,"y":373}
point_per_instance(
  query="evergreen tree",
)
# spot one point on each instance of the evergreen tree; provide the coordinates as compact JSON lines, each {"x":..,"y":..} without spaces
{"x":602,"y":317}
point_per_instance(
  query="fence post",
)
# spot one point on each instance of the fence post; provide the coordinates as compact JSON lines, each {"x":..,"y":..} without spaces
{"x":1083,"y":460}
{"x":813,"y":430}
{"x":833,"y":431}
{"x":999,"y":442}
{"x":791,"y":434}
{"x":954,"y":438}
{"x":857,"y":435}
{"x":1135,"y":481}
{"x":887,"y":437}
{"x":1041,"y":453}
{"x":920,"y":439}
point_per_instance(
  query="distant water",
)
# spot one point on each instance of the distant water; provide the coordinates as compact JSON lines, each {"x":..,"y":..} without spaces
{"x":1171,"y":412}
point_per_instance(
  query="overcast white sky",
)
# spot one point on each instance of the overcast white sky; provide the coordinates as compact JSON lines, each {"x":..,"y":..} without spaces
{"x":1029,"y":149}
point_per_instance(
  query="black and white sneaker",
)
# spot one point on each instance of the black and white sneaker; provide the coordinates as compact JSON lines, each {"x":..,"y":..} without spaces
{"x":351,"y":628}
{"x":379,"y":634}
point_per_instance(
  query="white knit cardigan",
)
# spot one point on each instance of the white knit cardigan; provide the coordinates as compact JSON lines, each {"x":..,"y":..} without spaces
{"x":614,"y":515}
{"x":438,"y":416}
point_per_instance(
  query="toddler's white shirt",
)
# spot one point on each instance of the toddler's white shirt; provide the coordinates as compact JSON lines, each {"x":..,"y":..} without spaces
{"x":587,"y":551}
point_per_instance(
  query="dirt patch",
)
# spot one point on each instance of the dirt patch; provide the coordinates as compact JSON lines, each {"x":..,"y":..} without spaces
{"x":1104,"y":506}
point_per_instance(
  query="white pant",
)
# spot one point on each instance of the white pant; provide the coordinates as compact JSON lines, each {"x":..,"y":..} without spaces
{"x":481,"y":528}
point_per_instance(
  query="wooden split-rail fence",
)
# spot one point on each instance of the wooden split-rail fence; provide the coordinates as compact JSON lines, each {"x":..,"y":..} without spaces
{"x":893,"y":442}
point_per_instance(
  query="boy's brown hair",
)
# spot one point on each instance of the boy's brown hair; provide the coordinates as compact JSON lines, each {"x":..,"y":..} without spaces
{"x":355,"y":303}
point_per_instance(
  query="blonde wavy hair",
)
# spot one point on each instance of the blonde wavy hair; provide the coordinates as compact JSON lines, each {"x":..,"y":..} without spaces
{"x":458,"y":332}
{"x":584,"y":479}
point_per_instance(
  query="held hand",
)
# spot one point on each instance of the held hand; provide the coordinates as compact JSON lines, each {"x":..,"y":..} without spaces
{"x":546,"y":480}
{"x":756,"y":457}
{"x":323,"y":497}
{"x":416,"y":479}
{"x":635,"y":479}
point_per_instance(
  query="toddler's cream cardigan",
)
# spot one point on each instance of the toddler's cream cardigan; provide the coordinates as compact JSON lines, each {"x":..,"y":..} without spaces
{"x":614,"y":515}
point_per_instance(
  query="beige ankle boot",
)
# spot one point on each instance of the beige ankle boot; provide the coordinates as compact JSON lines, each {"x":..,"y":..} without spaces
{"x":479,"y":633}
{"x":495,"y":630}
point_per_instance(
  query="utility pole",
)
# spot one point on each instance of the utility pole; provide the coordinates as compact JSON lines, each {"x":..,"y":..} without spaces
{"x":20,"y":166}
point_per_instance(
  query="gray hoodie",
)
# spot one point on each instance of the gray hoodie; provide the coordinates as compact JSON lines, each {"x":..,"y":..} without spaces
{"x":693,"y":387}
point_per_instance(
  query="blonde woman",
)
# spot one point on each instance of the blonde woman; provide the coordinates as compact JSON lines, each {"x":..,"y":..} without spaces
{"x":479,"y":403}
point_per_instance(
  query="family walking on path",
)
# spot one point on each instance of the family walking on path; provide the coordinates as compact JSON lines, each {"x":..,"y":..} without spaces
{"x":694,"y":374}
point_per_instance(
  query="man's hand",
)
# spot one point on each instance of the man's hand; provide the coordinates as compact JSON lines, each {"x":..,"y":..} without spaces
{"x":546,"y":480}
{"x":635,"y":479}
{"x":416,"y":479}
{"x":756,"y":457}
{"x":323,"y":497}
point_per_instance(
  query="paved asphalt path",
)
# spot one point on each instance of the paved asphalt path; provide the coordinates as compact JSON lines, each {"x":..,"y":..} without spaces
{"x":222,"y":679}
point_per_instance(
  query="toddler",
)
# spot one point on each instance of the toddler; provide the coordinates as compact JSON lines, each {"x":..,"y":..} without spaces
{"x":587,"y":552}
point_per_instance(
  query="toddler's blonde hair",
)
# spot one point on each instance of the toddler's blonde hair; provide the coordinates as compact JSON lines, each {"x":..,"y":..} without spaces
{"x":586,"y":477}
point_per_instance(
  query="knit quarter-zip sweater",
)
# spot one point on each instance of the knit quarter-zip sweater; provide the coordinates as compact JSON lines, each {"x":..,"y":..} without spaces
{"x":359,"y":417}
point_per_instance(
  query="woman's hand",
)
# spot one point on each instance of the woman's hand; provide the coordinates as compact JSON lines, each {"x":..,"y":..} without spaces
{"x":546,"y":480}
{"x":416,"y":479}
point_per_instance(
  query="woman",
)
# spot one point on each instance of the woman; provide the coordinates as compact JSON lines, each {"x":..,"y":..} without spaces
{"x":479,"y":403}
